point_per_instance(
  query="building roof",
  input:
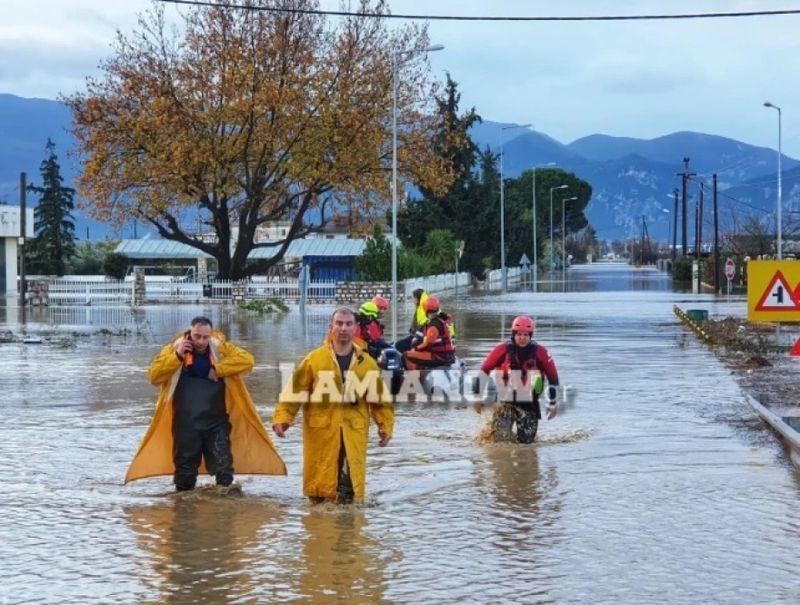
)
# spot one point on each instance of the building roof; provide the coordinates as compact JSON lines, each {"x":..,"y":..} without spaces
{"x":299,"y":248}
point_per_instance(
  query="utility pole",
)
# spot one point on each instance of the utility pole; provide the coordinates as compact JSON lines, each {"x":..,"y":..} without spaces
{"x":675,"y":225}
{"x":22,"y":216}
{"x":686,"y":175}
{"x":716,"y":236}
{"x":641,"y":245}
{"x":696,"y":219}
{"x":700,"y":222}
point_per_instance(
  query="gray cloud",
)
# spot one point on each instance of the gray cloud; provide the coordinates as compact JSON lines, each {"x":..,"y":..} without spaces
{"x":569,"y":79}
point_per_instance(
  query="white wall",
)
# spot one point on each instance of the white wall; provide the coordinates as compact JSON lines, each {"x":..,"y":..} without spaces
{"x":9,"y":232}
{"x":9,"y":249}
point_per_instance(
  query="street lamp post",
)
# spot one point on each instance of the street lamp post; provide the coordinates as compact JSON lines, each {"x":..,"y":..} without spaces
{"x":503,"y":270}
{"x":552,"y":241}
{"x":780,"y":203}
{"x":780,"y":192}
{"x":535,"y":247}
{"x":669,"y":223}
{"x":397,"y":59}
{"x":564,"y":236}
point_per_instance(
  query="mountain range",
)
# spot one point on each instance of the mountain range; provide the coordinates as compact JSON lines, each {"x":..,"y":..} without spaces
{"x":630,"y":177}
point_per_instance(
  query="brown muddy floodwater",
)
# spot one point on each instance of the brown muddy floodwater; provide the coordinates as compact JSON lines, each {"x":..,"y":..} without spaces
{"x":656,"y":485}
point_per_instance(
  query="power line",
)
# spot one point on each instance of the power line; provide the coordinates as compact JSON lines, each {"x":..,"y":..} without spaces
{"x":733,"y":199}
{"x":340,"y":13}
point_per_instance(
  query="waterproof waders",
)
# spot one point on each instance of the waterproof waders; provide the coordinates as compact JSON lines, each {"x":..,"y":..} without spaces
{"x":345,"y":493}
{"x":200,"y":430}
{"x":517,"y":422}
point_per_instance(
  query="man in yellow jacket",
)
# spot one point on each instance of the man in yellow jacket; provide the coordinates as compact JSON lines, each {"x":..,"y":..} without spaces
{"x":204,"y":419}
{"x":339,"y":387}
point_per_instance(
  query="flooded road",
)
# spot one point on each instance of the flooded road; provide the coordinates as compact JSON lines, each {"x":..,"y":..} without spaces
{"x":656,"y":485}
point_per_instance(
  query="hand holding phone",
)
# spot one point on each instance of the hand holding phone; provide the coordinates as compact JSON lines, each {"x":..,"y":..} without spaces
{"x":184,"y":346}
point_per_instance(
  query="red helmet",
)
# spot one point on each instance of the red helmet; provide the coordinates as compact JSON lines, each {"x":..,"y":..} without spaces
{"x":381,"y":303}
{"x":431,"y":304}
{"x":524,"y":324}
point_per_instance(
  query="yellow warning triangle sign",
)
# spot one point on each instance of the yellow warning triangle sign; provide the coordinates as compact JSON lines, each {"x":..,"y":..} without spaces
{"x":778,"y":296}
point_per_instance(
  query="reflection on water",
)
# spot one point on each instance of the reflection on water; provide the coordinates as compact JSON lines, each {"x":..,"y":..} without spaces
{"x":203,"y":549}
{"x":341,"y":561}
{"x":658,"y":485}
{"x":514,"y":476}
{"x":604,"y":277}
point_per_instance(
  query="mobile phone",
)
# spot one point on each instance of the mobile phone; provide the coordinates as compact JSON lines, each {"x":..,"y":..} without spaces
{"x":188,"y":356}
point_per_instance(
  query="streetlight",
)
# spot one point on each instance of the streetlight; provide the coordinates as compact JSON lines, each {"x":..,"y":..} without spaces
{"x":503,"y":271}
{"x":669,"y":223}
{"x":564,"y":236}
{"x":397,"y":59}
{"x":780,"y":193}
{"x":533,"y":204}
{"x":780,"y":200}
{"x":552,"y":240}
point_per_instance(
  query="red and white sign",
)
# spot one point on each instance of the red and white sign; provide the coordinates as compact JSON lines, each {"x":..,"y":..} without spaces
{"x":730,"y":269}
{"x":778,"y":296}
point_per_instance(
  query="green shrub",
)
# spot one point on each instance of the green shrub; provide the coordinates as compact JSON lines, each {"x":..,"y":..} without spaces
{"x":115,"y":265}
{"x":682,"y":269}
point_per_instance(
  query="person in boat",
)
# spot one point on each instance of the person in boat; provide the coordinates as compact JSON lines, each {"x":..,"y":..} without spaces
{"x":368,"y":333}
{"x":205,"y":420}
{"x":383,"y":308}
{"x":336,"y":420}
{"x":436,"y":348}
{"x":520,"y":366}
{"x":418,"y":297}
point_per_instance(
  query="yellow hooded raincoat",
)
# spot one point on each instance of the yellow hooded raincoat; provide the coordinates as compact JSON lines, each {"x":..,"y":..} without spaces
{"x":252,"y":449}
{"x":329,"y":417}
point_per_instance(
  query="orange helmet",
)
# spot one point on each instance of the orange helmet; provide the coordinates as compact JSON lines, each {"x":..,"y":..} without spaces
{"x":431,"y":304}
{"x":381,"y":303}
{"x":524,"y":324}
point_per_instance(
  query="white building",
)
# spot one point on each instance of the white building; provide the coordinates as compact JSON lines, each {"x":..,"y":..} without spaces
{"x":9,"y":238}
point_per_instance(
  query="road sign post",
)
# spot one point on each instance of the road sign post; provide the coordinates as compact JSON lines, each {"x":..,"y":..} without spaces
{"x":730,"y":272}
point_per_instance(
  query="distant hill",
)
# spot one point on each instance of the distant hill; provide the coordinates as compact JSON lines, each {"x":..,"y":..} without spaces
{"x":630,"y":177}
{"x":634,"y":177}
{"x":761,"y":193}
{"x":733,"y":161}
{"x":25,"y":125}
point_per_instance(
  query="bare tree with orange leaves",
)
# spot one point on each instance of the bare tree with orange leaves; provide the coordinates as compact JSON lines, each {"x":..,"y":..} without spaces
{"x":244,"y":117}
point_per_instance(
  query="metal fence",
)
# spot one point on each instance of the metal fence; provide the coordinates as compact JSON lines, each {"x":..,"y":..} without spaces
{"x":85,"y":292}
{"x":98,"y":290}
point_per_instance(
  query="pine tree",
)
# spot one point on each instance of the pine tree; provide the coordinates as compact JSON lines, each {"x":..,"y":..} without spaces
{"x":55,"y":229}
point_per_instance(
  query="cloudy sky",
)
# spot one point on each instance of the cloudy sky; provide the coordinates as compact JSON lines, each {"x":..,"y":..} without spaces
{"x":638,"y":79}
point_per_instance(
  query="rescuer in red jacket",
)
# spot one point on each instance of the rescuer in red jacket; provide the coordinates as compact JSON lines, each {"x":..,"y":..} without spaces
{"x":437,"y":348}
{"x":520,"y":366}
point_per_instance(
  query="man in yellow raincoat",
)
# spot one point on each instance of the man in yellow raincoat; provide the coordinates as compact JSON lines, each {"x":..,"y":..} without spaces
{"x":204,"y":419}
{"x":339,"y":387}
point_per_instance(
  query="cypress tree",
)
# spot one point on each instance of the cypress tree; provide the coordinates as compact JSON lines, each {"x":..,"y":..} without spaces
{"x":53,"y":221}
